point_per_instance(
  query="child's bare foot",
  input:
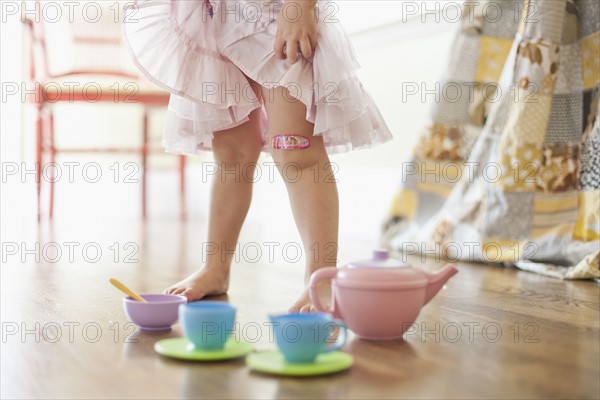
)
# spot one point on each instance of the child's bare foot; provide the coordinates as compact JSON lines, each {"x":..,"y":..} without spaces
{"x":204,"y":282}
{"x":304,"y":303}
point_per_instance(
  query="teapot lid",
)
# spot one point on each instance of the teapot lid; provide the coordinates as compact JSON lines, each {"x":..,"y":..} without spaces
{"x":381,"y":272}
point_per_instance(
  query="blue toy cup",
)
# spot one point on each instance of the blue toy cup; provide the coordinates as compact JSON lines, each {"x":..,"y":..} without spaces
{"x":207,"y":324}
{"x":302,"y":337}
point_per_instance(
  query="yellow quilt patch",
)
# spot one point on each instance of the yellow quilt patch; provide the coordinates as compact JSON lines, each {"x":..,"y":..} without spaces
{"x":520,"y":164}
{"x":590,"y":60}
{"x":502,"y":250}
{"x":587,"y":226}
{"x":492,"y":56}
{"x":528,"y":116}
{"x":404,"y":204}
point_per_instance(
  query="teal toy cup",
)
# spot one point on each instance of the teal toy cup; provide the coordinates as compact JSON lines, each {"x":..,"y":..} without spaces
{"x":302,"y":337}
{"x":207,"y":324}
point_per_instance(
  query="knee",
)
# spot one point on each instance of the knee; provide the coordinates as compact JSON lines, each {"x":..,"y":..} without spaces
{"x":301,"y":158}
{"x":298,"y":159}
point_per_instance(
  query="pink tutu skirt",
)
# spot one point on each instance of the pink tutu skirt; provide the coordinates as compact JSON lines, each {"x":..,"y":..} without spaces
{"x":202,"y":53}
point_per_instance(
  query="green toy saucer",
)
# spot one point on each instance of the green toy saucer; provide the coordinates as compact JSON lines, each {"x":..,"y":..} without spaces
{"x":272,"y":362}
{"x":182,"y":349}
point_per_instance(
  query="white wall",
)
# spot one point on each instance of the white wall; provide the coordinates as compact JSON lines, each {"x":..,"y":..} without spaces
{"x":10,"y":72}
{"x":394,"y":47}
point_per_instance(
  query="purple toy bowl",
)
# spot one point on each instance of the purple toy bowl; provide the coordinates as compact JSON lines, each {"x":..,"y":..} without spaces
{"x":158,"y":314}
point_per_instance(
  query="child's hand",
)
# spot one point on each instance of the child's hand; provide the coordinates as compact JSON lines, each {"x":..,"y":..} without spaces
{"x":296,"y":30}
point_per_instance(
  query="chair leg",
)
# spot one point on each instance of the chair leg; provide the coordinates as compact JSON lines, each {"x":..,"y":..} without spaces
{"x":38,"y":159}
{"x":52,"y":158}
{"x":144,"y":161}
{"x":182,"y":210}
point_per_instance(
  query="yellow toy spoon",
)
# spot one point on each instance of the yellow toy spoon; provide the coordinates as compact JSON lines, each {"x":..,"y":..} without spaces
{"x":121,"y":286}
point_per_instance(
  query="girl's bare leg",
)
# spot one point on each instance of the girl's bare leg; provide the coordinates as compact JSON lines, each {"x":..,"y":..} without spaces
{"x":235,"y":150}
{"x":311,"y":187}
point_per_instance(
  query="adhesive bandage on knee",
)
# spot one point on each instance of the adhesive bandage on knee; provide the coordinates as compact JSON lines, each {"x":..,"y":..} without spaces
{"x":290,"y":142}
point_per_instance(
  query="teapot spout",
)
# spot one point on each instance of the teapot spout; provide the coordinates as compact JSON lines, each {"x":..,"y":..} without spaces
{"x":437,"y":279}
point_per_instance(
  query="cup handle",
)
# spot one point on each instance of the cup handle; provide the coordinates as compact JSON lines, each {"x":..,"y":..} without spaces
{"x":341,"y":339}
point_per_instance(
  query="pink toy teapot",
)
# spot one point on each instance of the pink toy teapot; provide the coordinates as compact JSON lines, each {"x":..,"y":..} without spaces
{"x":379,"y":298}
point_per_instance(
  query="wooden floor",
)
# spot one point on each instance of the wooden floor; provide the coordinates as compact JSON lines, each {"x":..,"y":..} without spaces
{"x":491,"y":333}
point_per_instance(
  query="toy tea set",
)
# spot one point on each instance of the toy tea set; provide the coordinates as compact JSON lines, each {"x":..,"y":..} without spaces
{"x":378,"y":299}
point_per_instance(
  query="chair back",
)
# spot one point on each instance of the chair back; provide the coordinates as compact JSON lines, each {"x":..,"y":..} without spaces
{"x":82,"y":37}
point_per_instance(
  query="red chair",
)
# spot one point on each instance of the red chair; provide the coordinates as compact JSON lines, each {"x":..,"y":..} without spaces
{"x":79,"y":54}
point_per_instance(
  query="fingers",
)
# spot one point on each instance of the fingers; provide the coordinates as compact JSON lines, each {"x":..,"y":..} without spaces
{"x":306,"y":48}
{"x":313,"y":41}
{"x":292,"y":51}
{"x":279,"y":48}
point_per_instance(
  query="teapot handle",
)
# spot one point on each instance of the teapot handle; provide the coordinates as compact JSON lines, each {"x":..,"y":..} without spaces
{"x":315,"y":278}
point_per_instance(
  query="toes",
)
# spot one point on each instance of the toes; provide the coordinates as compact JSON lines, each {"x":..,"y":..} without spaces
{"x":295,"y":308}
{"x":305,"y":308}
{"x":170,"y":290}
{"x":174,"y":290}
{"x":190,"y":295}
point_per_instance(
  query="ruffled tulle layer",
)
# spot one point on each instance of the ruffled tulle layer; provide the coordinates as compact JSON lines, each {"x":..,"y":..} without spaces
{"x":204,"y":61}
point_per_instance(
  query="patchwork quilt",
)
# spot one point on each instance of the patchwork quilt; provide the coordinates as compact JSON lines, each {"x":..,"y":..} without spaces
{"x":508,"y":169}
